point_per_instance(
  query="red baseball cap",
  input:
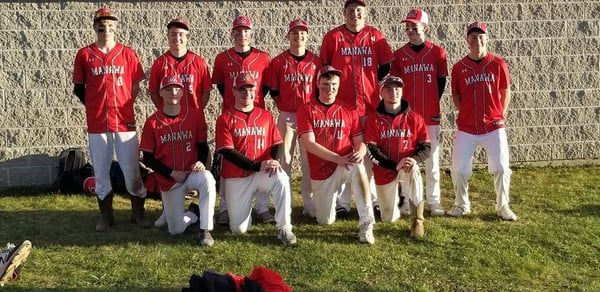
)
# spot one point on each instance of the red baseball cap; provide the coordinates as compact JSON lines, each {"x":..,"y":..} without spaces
{"x":242,"y":21}
{"x":328,"y":69}
{"x":104,"y":13}
{"x":171,"y":80}
{"x":298,"y":23}
{"x":416,"y":16}
{"x":178,"y":22}
{"x":477,"y":26}
{"x":391,"y":80}
{"x":242,"y":80}
{"x":359,"y":2}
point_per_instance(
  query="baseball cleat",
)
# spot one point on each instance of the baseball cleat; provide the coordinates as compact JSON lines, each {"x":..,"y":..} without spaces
{"x":205,"y":239}
{"x":266,"y":217}
{"x":365,"y":234}
{"x":286,"y":236}
{"x":435,"y":210}
{"x":507,"y":214}
{"x":341,"y":212}
{"x":377,"y":212}
{"x":11,"y":259}
{"x":223,"y":218}
{"x":457,"y":211}
{"x":194,"y":208}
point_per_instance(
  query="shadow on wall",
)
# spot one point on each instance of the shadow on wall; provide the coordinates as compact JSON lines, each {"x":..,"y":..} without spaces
{"x":35,"y":171}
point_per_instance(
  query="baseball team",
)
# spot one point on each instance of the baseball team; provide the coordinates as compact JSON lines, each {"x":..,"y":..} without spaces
{"x":366,"y":120}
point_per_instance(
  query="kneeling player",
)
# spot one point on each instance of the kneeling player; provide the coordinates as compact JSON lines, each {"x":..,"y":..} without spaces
{"x":397,"y":140}
{"x":333,"y":139}
{"x":174,"y":146}
{"x":248,"y":138}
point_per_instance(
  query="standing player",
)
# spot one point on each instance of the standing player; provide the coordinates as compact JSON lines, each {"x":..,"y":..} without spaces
{"x":292,"y":85}
{"x":363,"y":54}
{"x":397,"y":140}
{"x":242,"y":59}
{"x":248,"y":139}
{"x":481,"y":93}
{"x":174,"y":146}
{"x":334,"y":142}
{"x":423,"y":67}
{"x":178,"y":60}
{"x":106,"y":77}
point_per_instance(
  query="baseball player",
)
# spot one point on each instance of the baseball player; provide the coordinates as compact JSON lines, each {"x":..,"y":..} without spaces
{"x":11,"y":261}
{"x":248,"y":139}
{"x":242,"y":59}
{"x":106,"y":79}
{"x":364,"y":55}
{"x":481,"y":94}
{"x":423,"y":67}
{"x":397,"y":140}
{"x":174,"y":146}
{"x":334,"y":142}
{"x":292,"y":85}
{"x":178,"y":60}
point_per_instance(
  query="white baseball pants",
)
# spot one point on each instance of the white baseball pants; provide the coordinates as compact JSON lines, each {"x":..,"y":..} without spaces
{"x":125,"y":145}
{"x":432,"y":167}
{"x":286,"y":123}
{"x":344,"y":198}
{"x":326,"y":191}
{"x":412,"y":188}
{"x":496,"y":147}
{"x":263,"y":200}
{"x":174,"y":202}
{"x":239,"y":193}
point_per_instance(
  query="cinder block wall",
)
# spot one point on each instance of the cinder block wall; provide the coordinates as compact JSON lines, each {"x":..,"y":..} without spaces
{"x":552,"y":47}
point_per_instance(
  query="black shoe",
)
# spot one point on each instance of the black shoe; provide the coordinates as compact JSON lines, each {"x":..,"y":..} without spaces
{"x":341,"y":212}
{"x":266,"y":217}
{"x":377,"y":212}
{"x":193,"y":207}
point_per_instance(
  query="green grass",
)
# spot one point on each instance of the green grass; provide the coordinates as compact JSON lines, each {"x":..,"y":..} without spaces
{"x":555,"y":245}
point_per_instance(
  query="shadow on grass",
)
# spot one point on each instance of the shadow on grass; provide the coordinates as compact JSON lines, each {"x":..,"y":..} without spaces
{"x":129,"y":289}
{"x":77,"y":228}
{"x":583,"y":210}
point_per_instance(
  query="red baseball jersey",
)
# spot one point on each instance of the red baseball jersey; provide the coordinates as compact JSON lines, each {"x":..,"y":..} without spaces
{"x":108,"y":80}
{"x":252,"y":134}
{"x":358,"y":56}
{"x":396,"y":138}
{"x":229,"y":64}
{"x":479,"y":85}
{"x":334,"y":128}
{"x":420,"y":72}
{"x":192,"y":70}
{"x":295,"y":80}
{"x":173,"y":141}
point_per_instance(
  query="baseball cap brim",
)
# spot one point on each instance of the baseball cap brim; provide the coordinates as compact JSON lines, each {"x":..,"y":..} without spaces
{"x":477,"y":29}
{"x":179,"y":24}
{"x":391,"y":80}
{"x":171,"y":83}
{"x":329,"y":70}
{"x":104,"y":13}
{"x":359,"y":2}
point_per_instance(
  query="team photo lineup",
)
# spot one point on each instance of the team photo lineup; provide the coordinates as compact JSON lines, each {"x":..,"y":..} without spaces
{"x":362,"y":118}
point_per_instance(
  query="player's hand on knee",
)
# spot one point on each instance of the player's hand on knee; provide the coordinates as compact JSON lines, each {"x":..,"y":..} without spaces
{"x":406,"y":164}
{"x":198,"y":166}
{"x":270,"y":166}
{"x":179,"y":175}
